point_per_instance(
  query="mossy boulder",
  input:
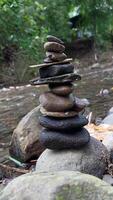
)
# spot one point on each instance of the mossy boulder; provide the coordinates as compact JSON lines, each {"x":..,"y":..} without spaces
{"x":64,"y":185}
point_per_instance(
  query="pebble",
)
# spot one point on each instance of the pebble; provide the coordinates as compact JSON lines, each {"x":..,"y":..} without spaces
{"x":62,"y":90}
{"x":56,"y":70}
{"x":67,"y":78}
{"x":64,"y":140}
{"x":54,"y":47}
{"x":63,"y":124}
{"x":56,"y":56}
{"x":58,"y":114}
{"x":51,"y":38}
{"x":55,"y":103}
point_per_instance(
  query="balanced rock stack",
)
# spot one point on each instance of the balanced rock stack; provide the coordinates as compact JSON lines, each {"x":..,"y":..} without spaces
{"x":63,"y":125}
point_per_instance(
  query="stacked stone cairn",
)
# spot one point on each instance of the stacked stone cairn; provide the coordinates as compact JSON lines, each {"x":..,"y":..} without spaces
{"x":61,"y":119}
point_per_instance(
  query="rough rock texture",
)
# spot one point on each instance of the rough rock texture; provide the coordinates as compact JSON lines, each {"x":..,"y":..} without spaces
{"x":64,"y":185}
{"x":25,"y":139}
{"x":72,"y":139}
{"x":90,"y":159}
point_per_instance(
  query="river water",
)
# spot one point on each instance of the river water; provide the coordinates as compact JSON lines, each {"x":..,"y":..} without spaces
{"x":95,"y":78}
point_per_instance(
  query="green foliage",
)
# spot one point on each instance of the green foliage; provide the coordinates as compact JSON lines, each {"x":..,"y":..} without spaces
{"x":24,"y":24}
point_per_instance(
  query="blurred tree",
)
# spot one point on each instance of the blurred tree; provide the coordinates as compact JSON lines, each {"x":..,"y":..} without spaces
{"x":24,"y":25}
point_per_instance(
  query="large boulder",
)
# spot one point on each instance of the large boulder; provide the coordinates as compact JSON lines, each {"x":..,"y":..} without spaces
{"x":108,"y":120}
{"x":25,"y":139}
{"x":90,"y":159}
{"x":64,"y":185}
{"x":108,"y":142}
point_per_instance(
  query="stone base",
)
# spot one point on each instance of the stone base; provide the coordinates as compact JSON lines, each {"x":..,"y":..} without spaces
{"x":90,"y":159}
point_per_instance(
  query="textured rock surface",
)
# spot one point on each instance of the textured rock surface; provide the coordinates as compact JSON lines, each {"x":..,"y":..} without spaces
{"x":56,"y":70}
{"x":63,"y":124}
{"x":90,"y":159}
{"x":65,"y":185}
{"x":108,"y":142}
{"x":25,"y":139}
{"x":54,"y":47}
{"x":55,"y":103}
{"x":64,"y":140}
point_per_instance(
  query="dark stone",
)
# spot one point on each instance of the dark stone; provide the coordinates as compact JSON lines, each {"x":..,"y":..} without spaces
{"x":55,"y":103}
{"x":64,"y":140}
{"x":56,"y":56}
{"x":56,"y":70}
{"x":54,"y":47}
{"x":68,"y":60}
{"x":51,"y":38}
{"x":67,"y":78}
{"x":63,"y":124}
{"x":62,"y":90}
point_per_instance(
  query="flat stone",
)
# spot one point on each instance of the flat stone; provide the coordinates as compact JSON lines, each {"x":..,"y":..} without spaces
{"x":51,"y":38}
{"x":63,"y":124}
{"x":56,"y":56}
{"x":89,"y":159}
{"x":68,"y":60}
{"x":62,"y":90}
{"x":54,"y":103}
{"x":58,"y":114}
{"x":67,"y":78}
{"x":54,"y":47}
{"x":71,"y":139}
{"x":56,"y":70}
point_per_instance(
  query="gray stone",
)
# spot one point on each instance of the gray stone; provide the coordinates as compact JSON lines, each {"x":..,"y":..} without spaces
{"x":67,"y":78}
{"x":108,"y":120}
{"x":63,"y":185}
{"x":108,"y":178}
{"x":56,"y":70}
{"x":54,"y":47}
{"x":25,"y":139}
{"x":58,"y":140}
{"x":63,"y":124}
{"x":90,"y":159}
{"x":108,"y":142}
